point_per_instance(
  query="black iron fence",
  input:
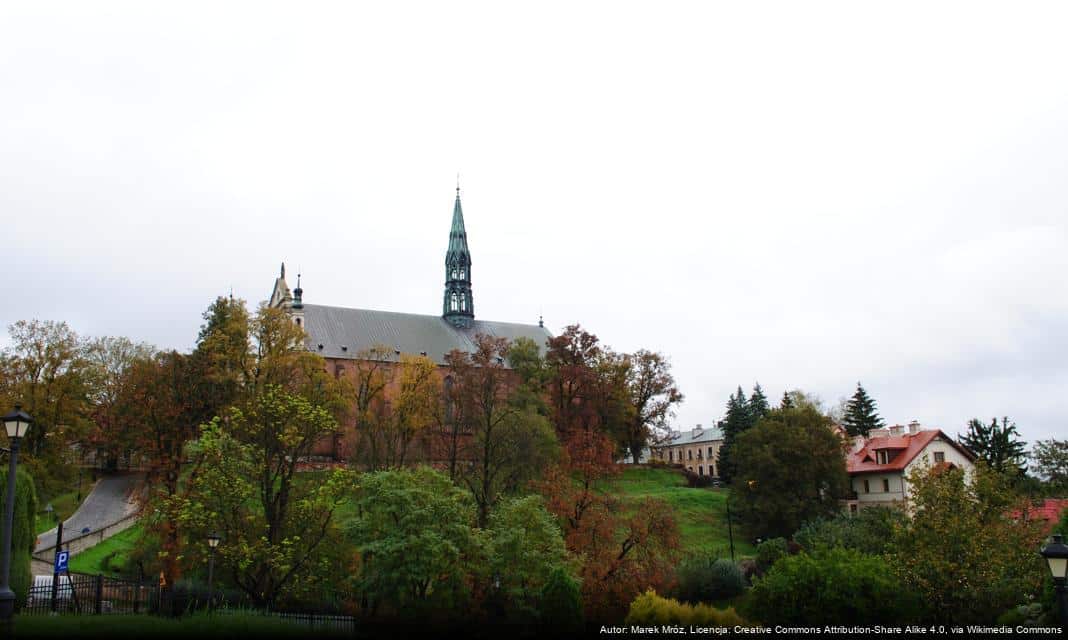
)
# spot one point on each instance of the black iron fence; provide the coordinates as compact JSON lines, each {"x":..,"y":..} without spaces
{"x":80,"y":593}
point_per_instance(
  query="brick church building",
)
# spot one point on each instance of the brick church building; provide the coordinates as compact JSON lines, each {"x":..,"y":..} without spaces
{"x":344,"y":336}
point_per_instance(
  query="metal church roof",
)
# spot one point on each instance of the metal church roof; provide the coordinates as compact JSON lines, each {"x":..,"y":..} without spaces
{"x":361,"y":329}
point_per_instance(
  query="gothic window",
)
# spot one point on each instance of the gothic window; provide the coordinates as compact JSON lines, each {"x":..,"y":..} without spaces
{"x":453,"y":302}
{"x":453,"y":276}
{"x":462,"y":273}
{"x":463,"y":302}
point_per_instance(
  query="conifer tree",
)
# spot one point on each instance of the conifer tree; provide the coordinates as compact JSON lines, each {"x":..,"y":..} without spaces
{"x":736,"y":421}
{"x":787,"y":402}
{"x":999,"y":445}
{"x":860,"y":415}
{"x":758,"y":405}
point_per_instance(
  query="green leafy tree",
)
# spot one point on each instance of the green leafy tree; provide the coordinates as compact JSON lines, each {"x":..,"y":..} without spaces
{"x":23,"y":531}
{"x":560,"y":604}
{"x":510,"y":443}
{"x":651,"y":394}
{"x":733,"y":424}
{"x":791,"y":470}
{"x":703,"y":578}
{"x":1050,"y":459}
{"x":860,"y":414}
{"x":417,"y":546}
{"x":999,"y":445}
{"x":963,"y":554}
{"x":525,"y":546}
{"x":839,"y":586}
{"x":275,"y":525}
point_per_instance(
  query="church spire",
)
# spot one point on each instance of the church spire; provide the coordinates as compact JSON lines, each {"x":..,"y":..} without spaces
{"x":459,"y":305}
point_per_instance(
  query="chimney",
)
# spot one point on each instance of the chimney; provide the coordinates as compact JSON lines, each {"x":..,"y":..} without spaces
{"x":695,"y":432}
{"x":878,"y":433}
{"x":914,"y":427}
{"x":858,"y":443}
{"x":896,"y":430}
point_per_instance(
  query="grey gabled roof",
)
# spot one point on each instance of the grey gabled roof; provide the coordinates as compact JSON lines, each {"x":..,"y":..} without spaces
{"x":362,"y":329}
{"x":709,"y":434}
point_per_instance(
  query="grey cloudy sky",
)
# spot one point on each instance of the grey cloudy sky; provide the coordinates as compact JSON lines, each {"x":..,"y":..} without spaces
{"x":804,"y":194}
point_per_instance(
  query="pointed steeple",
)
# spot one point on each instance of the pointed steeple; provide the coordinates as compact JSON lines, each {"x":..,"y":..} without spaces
{"x":459,"y":305}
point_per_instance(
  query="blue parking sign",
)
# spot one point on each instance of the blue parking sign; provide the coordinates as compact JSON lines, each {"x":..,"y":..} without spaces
{"x":61,"y":561}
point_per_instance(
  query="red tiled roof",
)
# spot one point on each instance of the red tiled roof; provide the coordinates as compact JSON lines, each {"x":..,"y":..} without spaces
{"x":909,"y":446}
{"x":1050,"y":510}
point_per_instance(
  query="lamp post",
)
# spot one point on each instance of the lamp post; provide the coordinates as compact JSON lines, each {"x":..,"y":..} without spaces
{"x":16,"y":423}
{"x":1056,"y":555}
{"x":213,"y":541}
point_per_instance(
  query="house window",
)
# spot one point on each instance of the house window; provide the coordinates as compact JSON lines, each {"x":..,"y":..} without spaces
{"x":940,"y":457}
{"x":700,"y":471}
{"x":671,"y":456}
{"x":867,"y":489}
{"x":710,"y":453}
{"x":689,"y":454}
{"x":852,"y":508}
{"x":886,"y":485}
{"x":880,"y":457}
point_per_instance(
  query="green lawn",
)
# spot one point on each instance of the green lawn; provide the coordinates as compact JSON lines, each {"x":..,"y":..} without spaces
{"x":65,"y":504}
{"x":109,"y":556}
{"x":701,"y":513}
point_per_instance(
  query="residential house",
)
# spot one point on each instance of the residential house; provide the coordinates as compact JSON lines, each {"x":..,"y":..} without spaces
{"x":879,"y":465}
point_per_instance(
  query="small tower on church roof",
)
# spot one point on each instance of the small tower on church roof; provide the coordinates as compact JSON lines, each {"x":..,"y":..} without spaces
{"x":459,"y":304}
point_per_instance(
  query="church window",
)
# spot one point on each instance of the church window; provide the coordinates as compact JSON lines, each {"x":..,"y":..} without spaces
{"x":463,"y":302}
{"x":454,"y":302}
{"x":462,"y":273}
{"x":453,"y":276}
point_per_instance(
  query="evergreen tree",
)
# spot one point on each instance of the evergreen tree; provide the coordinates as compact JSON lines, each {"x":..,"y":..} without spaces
{"x":860,"y":415}
{"x":736,"y":421}
{"x":758,"y":405}
{"x":787,"y":402}
{"x":998,"y":445}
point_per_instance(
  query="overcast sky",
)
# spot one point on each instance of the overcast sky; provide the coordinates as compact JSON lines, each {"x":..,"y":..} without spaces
{"x":800,"y":194}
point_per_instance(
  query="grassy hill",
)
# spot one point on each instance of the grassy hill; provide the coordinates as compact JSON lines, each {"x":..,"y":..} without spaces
{"x":701,"y":513}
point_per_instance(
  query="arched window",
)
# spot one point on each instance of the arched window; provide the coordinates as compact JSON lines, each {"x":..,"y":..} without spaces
{"x":298,"y":321}
{"x":453,"y":302}
{"x":463,"y":302}
{"x":453,"y":273}
{"x":462,"y":273}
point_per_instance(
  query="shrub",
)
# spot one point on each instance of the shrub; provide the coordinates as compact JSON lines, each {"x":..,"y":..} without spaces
{"x":769,"y":552}
{"x":652,"y":610}
{"x":23,"y":532}
{"x":702,"y":578}
{"x":832,"y":587}
{"x":871,"y":531}
{"x":694,"y":480}
{"x":560,"y":606}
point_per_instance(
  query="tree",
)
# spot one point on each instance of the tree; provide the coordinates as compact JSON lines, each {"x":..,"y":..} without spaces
{"x":44,"y":369}
{"x":509,"y":444}
{"x":372,"y":374}
{"x":793,"y":470}
{"x":560,"y":606}
{"x":416,"y":543}
{"x":860,"y":414}
{"x":736,"y":421}
{"x":1051,"y":462}
{"x":525,"y":547}
{"x":758,"y":405}
{"x":416,"y":406}
{"x":786,"y":402}
{"x":869,"y":531}
{"x":157,"y":413}
{"x":963,"y":554}
{"x":999,"y":445}
{"x":650,"y":395}
{"x":276,"y":526}
{"x":109,"y":360}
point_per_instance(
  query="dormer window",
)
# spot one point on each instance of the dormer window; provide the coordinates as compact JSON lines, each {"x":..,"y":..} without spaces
{"x":881,"y":456}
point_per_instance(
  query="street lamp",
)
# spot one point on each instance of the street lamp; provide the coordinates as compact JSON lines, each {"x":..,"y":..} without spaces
{"x":51,"y":511}
{"x":213,"y":541}
{"x":1056,"y":555}
{"x":15,"y":423}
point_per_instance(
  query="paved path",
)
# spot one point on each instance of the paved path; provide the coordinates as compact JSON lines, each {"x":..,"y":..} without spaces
{"x":112,"y":499}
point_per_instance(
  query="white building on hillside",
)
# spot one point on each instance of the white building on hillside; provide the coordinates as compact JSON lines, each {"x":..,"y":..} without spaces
{"x":879,"y":465}
{"x":697,"y":450}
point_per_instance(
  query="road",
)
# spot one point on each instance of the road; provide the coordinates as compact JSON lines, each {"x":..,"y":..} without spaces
{"x":112,"y":499}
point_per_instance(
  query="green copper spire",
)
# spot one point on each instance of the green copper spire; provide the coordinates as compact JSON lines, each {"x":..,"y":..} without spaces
{"x":459,"y":304}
